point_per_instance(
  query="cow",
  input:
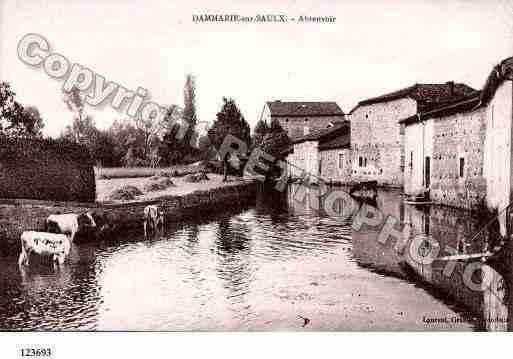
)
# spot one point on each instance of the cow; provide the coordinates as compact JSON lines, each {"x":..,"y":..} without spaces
{"x":55,"y":247}
{"x":153,"y":217}
{"x":107,"y":222}
{"x":70,"y":223}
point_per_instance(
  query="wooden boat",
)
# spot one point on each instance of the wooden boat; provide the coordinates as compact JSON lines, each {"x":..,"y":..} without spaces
{"x":417,"y":203}
{"x":364,"y":191}
{"x":418,"y":199}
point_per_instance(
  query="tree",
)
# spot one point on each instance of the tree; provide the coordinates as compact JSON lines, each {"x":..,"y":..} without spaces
{"x":103,"y":149}
{"x":81,"y":131}
{"x":189,"y":110}
{"x":125,"y":134}
{"x":229,"y":121}
{"x":180,"y":136}
{"x":205,"y":148}
{"x":81,"y":121}
{"x":15,"y":120}
{"x":33,"y":123}
{"x":261,"y":129}
{"x":148,"y":135}
{"x":274,"y":143}
{"x":172,"y":148}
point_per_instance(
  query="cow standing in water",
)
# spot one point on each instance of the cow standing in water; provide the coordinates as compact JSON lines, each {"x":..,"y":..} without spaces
{"x":153,"y":217}
{"x":107,"y":222}
{"x":55,"y":247}
{"x":70,"y":223}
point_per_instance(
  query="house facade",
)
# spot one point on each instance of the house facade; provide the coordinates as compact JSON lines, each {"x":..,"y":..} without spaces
{"x":323,"y":154}
{"x":377,"y":137}
{"x":335,"y":159}
{"x":461,"y":152}
{"x":302,"y":118}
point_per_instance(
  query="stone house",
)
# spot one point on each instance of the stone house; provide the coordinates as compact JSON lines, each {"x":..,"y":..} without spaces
{"x":461,"y":152}
{"x":302,"y":118}
{"x":377,"y":137}
{"x":324,"y":153}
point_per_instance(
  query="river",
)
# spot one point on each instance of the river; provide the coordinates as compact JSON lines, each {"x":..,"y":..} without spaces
{"x":278,"y":264}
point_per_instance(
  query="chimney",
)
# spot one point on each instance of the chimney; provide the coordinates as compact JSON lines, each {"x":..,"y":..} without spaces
{"x":450,"y":84}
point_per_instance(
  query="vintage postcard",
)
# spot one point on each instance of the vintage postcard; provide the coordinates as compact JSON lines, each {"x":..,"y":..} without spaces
{"x":183,"y":166}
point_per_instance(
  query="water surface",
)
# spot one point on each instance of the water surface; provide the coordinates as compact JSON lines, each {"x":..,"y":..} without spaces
{"x":263,"y":267}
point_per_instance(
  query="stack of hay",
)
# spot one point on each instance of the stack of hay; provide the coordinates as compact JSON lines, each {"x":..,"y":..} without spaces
{"x":125,"y":193}
{"x":158,"y":184}
{"x":196,"y":177}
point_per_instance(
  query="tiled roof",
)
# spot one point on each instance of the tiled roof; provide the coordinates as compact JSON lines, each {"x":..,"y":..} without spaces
{"x":325,"y":133}
{"x":342,"y":141}
{"x":467,"y":104}
{"x":300,"y":109}
{"x":427,"y":96}
{"x":500,"y":73}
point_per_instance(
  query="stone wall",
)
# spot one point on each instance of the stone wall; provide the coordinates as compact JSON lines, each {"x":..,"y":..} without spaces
{"x":457,"y":138}
{"x":471,"y":154}
{"x":331,"y":171}
{"x":17,"y":216}
{"x":304,"y":158}
{"x":377,"y":139}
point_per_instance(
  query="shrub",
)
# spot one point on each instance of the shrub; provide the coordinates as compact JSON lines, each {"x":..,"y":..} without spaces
{"x":125,"y":193}
{"x":158,"y":184}
{"x":46,"y":169}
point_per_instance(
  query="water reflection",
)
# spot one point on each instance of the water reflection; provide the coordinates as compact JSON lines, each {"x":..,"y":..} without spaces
{"x":47,"y":298}
{"x":483,"y":301}
{"x":261,"y":267}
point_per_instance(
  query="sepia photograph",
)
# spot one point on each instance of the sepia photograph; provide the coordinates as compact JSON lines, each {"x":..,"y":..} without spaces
{"x":254,"y":166}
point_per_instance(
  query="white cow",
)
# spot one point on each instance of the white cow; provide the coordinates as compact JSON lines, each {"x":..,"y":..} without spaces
{"x":43,"y":244}
{"x":153,"y":217}
{"x":70,"y":223}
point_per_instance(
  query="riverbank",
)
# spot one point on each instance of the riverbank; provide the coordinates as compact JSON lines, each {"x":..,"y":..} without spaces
{"x":184,"y":200}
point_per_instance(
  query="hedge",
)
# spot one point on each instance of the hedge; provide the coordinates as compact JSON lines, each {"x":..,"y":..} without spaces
{"x":46,"y":169}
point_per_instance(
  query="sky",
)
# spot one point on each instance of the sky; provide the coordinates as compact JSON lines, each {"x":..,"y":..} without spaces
{"x":374,"y":47}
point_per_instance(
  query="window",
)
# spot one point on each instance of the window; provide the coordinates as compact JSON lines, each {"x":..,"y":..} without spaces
{"x":411,"y":160}
{"x":365,"y":162}
{"x":306,"y":130}
{"x":306,"y":120}
{"x":360,"y":161}
{"x":340,"y":161}
{"x":462,"y":167}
